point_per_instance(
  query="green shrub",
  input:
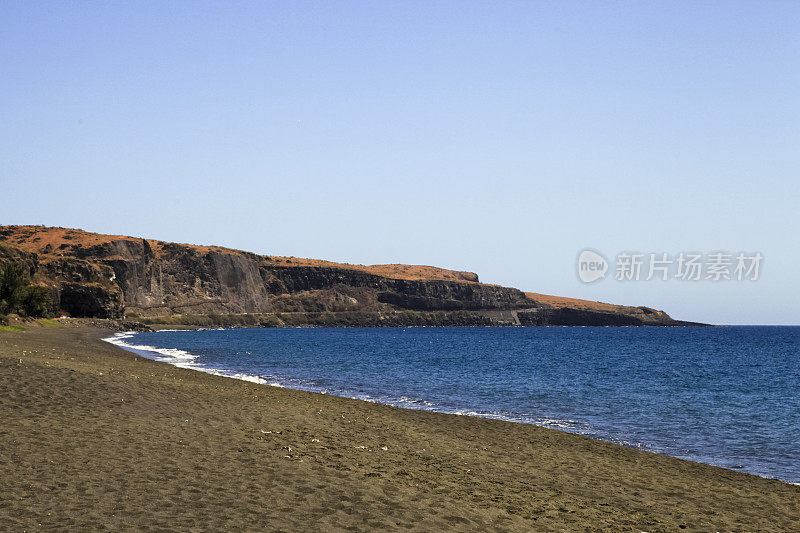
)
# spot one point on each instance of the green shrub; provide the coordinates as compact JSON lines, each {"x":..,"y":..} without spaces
{"x":17,"y":295}
{"x":36,"y":301}
{"x":12,"y":287}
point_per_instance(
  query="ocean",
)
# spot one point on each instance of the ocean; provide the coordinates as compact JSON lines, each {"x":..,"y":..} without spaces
{"x":723,"y":396}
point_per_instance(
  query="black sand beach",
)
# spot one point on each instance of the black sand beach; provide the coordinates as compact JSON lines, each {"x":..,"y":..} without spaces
{"x":94,"y":437}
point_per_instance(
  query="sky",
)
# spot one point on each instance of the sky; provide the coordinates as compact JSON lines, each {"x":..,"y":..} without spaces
{"x":501,"y":138}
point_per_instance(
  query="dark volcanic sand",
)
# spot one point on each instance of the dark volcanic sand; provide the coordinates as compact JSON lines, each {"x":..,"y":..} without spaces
{"x":95,"y":437}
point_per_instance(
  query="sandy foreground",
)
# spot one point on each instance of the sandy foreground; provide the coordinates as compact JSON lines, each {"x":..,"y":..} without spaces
{"x":93,"y":437}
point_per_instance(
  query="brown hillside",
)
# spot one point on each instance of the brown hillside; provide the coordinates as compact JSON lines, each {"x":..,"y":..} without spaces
{"x":46,"y":240}
{"x":107,"y":276}
{"x":560,"y":302}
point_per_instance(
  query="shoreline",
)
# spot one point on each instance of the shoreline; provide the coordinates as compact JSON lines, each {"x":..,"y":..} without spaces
{"x":101,"y":437}
{"x":181,"y":359}
{"x":185,"y":360}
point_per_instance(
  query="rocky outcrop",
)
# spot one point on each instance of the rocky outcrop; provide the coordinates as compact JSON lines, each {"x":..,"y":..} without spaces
{"x":78,"y":287}
{"x":564,"y":316}
{"x":12,"y":254}
{"x":89,"y":300}
{"x":110,"y":276}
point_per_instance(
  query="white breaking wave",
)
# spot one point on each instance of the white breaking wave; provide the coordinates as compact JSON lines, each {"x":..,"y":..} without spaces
{"x":168,"y":355}
{"x":179,"y":358}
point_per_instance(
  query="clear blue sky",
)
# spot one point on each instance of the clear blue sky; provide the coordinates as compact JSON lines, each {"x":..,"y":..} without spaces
{"x":497,"y":137}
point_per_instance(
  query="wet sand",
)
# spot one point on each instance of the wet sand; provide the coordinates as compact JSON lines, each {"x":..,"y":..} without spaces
{"x":94,"y":437}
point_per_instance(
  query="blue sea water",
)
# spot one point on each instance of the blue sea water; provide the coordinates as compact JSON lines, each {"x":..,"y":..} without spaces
{"x":723,"y":396}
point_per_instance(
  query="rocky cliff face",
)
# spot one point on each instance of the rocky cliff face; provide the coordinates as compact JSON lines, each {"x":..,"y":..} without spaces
{"x":109,"y":276}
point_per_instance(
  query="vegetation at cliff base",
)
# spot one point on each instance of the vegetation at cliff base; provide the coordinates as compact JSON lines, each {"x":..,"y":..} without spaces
{"x":18,"y":295}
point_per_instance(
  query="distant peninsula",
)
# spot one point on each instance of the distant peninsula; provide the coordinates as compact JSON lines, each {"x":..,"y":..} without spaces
{"x":155,"y":282}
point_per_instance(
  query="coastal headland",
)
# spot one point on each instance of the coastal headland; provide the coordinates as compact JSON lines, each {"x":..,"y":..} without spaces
{"x":113,"y":276}
{"x":96,"y":437}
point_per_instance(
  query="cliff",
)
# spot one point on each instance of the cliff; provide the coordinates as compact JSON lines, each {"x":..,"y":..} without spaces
{"x":108,"y":276}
